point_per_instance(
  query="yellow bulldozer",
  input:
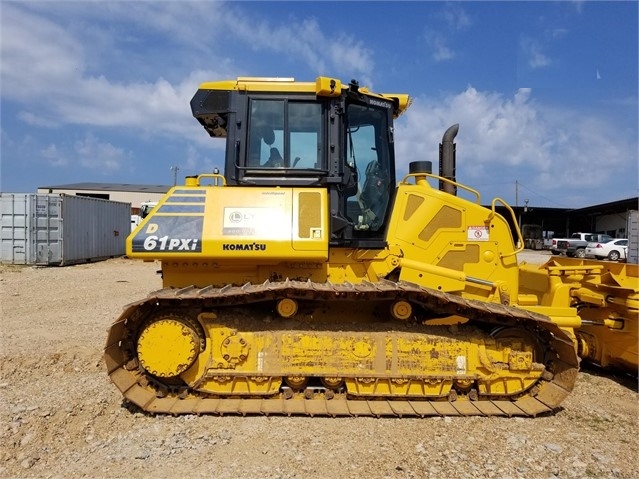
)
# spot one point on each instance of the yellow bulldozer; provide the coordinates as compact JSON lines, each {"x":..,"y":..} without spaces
{"x":308,"y":280}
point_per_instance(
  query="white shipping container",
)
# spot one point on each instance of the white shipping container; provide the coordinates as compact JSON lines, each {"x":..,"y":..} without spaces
{"x":59,"y":229}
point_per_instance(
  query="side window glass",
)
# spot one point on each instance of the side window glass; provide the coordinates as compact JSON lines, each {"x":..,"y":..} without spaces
{"x":266,"y":139}
{"x":305,"y":123}
{"x":285,"y":134}
{"x":367,"y":153}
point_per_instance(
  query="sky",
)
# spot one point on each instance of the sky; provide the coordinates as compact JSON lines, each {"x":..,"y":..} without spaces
{"x":545,"y":93}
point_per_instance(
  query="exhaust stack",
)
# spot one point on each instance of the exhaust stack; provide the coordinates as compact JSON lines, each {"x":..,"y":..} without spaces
{"x":447,"y":159}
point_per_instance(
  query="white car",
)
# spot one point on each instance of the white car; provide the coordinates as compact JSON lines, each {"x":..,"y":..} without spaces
{"x":614,"y":250}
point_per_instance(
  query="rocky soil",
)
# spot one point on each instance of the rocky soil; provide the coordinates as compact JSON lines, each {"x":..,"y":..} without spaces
{"x":61,"y":417}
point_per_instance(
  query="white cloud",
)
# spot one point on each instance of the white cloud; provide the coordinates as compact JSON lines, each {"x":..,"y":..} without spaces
{"x":439,"y":48}
{"x":31,"y":118}
{"x":455,"y":17}
{"x":305,"y":40}
{"x":532,"y":50}
{"x":553,"y":150}
{"x":195,"y":163}
{"x":54,"y":157}
{"x":94,"y":64}
{"x":96,"y":155}
{"x":47,"y":68}
{"x":90,"y":153}
{"x":43,"y":68}
{"x":36,"y":55}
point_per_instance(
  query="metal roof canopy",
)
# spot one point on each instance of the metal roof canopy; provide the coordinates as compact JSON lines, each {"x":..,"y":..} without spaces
{"x":128,"y":187}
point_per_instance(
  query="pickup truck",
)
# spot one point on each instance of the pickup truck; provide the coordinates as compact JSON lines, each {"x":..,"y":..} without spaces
{"x":576,"y":244}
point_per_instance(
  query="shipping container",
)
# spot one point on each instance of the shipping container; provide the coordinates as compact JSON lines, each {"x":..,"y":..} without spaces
{"x":59,"y":229}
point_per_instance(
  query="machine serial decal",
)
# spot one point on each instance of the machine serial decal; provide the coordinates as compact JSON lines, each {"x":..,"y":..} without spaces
{"x":153,"y":243}
{"x":179,"y":234}
{"x":243,"y":247}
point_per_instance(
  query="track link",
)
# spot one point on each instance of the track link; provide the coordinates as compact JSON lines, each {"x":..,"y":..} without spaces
{"x":556,"y":383}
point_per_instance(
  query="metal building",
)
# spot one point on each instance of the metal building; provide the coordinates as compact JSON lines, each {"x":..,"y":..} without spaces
{"x":125,"y":192}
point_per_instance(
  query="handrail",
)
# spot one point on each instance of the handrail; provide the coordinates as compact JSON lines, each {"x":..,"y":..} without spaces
{"x":441,"y":178}
{"x":219,"y":180}
{"x":492,"y":214}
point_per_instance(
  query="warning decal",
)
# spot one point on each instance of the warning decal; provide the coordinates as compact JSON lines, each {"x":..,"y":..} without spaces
{"x":478,"y":233}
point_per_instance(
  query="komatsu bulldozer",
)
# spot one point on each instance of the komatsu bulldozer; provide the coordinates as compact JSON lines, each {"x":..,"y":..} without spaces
{"x":307,"y":279}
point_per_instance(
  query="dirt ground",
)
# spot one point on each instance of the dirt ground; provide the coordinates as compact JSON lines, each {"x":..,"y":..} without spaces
{"x":61,"y":417}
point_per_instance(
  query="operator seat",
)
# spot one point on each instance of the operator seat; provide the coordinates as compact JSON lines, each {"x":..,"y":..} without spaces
{"x":275,"y":159}
{"x":373,"y":198}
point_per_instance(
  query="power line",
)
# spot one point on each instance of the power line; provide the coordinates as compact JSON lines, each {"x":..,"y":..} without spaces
{"x":480,"y":186}
{"x":540,"y":195}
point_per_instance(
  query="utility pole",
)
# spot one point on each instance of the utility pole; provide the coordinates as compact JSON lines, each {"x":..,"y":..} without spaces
{"x":174,"y":169}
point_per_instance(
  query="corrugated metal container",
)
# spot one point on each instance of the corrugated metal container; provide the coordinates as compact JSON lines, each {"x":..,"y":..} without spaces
{"x":633,"y":236}
{"x":59,"y":229}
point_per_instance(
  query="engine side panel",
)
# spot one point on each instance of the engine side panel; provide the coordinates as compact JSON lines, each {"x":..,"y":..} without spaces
{"x":248,"y":225}
{"x":445,"y":240}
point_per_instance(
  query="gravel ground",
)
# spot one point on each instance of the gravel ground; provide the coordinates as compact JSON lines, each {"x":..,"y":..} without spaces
{"x":61,"y":417}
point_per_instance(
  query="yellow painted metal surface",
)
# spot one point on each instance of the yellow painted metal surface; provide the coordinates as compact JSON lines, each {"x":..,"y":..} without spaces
{"x":437,"y":317}
{"x":598,"y":299}
{"x":322,"y":87}
{"x":453,"y":245}
{"x":344,"y":347}
{"x":167,"y":347}
{"x":239,"y":360}
{"x":235,"y":224}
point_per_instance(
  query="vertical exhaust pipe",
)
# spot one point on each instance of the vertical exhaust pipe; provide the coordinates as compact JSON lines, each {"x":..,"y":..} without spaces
{"x":447,"y":159}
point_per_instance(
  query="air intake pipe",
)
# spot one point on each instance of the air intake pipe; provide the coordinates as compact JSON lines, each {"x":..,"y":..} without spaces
{"x":447,"y":160}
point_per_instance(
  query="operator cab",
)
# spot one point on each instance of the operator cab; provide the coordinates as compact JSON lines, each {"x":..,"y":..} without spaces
{"x":286,"y":134}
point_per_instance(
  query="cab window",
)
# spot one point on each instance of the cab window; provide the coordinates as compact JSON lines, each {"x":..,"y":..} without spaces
{"x":367,"y":153}
{"x":285,"y":134}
